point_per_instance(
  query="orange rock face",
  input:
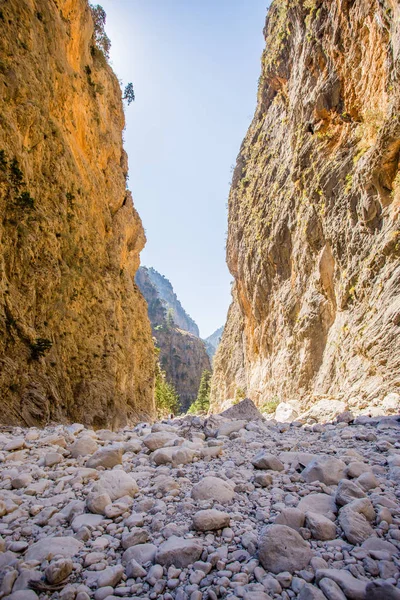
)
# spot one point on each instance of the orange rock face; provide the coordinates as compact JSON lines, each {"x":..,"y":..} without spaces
{"x":75,"y":340}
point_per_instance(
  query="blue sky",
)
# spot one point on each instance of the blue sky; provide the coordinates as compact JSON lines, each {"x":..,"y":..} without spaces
{"x":194,"y":65}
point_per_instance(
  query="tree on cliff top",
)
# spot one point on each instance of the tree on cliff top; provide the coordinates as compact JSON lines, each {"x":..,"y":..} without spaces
{"x":100,"y":37}
{"x":202,"y":402}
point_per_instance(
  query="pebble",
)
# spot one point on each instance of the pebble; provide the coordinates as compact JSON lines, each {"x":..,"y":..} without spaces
{"x":189,"y":509}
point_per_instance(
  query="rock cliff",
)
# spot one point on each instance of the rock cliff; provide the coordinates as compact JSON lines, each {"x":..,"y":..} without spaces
{"x":183,"y":355}
{"x":75,"y":340}
{"x":314,"y":230}
{"x":170,"y":300}
{"x":212,"y":342}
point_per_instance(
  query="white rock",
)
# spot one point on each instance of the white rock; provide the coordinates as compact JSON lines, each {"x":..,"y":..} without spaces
{"x":179,"y":552}
{"x":281,"y":548}
{"x":213,"y":488}
{"x":49,"y":547}
{"x":210,"y":520}
{"x":285,"y":413}
{"x":116,"y":484}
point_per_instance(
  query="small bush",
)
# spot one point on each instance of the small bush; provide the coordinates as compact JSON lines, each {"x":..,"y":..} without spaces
{"x":270,"y":406}
{"x":40,"y":347}
{"x":25,"y":200}
{"x":16,"y":176}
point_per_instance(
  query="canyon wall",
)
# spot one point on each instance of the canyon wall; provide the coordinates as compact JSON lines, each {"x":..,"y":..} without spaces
{"x":75,"y":339}
{"x":314,"y":228}
{"x":183,"y":355}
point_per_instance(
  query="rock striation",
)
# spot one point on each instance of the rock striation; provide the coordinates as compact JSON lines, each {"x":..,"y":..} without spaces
{"x":313,"y":236}
{"x":75,"y":339}
{"x":183,"y":354}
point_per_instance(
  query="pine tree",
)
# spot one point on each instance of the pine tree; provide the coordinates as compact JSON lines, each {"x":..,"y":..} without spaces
{"x":202,"y":402}
{"x":166,"y":397}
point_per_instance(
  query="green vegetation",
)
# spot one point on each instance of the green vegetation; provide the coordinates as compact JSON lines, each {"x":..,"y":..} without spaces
{"x":129,"y":93}
{"x":166,"y":397}
{"x":101,"y":39}
{"x":270,"y":406}
{"x":240,"y":395}
{"x":40,"y":347}
{"x":202,"y":402}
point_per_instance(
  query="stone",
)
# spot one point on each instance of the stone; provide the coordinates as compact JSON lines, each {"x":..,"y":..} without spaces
{"x":86,"y":520}
{"x":283,"y":549}
{"x":111,"y":576}
{"x":331,"y":589}
{"x":213,"y":488}
{"x":347,"y":491}
{"x":310,"y":592}
{"x":210,"y":520}
{"x":49,"y":547}
{"x":105,"y":457}
{"x":264,"y":460}
{"x":291,"y":517}
{"x":133,"y":569}
{"x":96,"y":502}
{"x":327,"y":469}
{"x":321,"y":527}
{"x":355,"y":525}
{"x":21,"y":481}
{"x":83,"y":446}
{"x":319,"y":503}
{"x":381,"y":590}
{"x":357,"y":468}
{"x":227,"y":427}
{"x":375,"y":544}
{"x":179,"y":552}
{"x":160,"y":439}
{"x":245,"y":409}
{"x":142,"y":553}
{"x":134,"y":537}
{"x":52,"y":458}
{"x":117,"y":484}
{"x":59,"y":570}
{"x":286,"y":413}
{"x":391,"y":403}
{"x":263,"y":479}
{"x":367,"y":481}
{"x":354,"y":589}
{"x":23,"y":595}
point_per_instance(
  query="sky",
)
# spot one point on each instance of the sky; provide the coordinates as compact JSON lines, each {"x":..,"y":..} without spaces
{"x":194,"y":65}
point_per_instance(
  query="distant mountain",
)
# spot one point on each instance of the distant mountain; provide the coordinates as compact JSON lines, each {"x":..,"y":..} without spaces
{"x":183,"y":354}
{"x":169,"y":298}
{"x":213,"y":341}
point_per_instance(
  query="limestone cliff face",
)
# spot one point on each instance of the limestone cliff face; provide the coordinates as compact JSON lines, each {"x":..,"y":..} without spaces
{"x":314,"y":229}
{"x":183,"y":356}
{"x":75,"y":340}
{"x":212,"y":342}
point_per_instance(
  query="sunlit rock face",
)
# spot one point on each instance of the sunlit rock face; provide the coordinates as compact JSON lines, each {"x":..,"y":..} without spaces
{"x":314,"y":228}
{"x":75,"y":339}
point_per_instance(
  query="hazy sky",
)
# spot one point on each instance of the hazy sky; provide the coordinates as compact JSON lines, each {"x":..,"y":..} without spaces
{"x":194,"y":65}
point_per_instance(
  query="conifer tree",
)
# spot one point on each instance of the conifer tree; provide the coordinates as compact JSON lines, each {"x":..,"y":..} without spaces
{"x":202,"y":402}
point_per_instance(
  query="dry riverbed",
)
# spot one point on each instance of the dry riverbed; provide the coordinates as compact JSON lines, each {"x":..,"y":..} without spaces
{"x":192,"y":509}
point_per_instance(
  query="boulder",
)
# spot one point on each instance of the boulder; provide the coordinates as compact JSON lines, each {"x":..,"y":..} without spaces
{"x":59,"y":570}
{"x":355,"y":525}
{"x":105,"y":457}
{"x":327,"y":469}
{"x":354,"y":589}
{"x":319,"y":503}
{"x":179,"y":552}
{"x":116,"y":484}
{"x":228,"y":427}
{"x":213,"y":488}
{"x":324,"y":411}
{"x":246,"y":410}
{"x":210,"y":520}
{"x":286,"y":413}
{"x":142,"y":553}
{"x":291,"y":517}
{"x":48,"y":547}
{"x":268,"y":462}
{"x":347,"y":491}
{"x":83,"y":446}
{"x":159,"y":439}
{"x":283,"y":549}
{"x":321,"y":527}
{"x":382,"y":590}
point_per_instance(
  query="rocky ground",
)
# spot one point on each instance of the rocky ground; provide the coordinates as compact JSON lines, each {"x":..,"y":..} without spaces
{"x":195,"y":509}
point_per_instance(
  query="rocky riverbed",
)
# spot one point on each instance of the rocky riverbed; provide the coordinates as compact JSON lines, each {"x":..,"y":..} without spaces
{"x":197,"y":508}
